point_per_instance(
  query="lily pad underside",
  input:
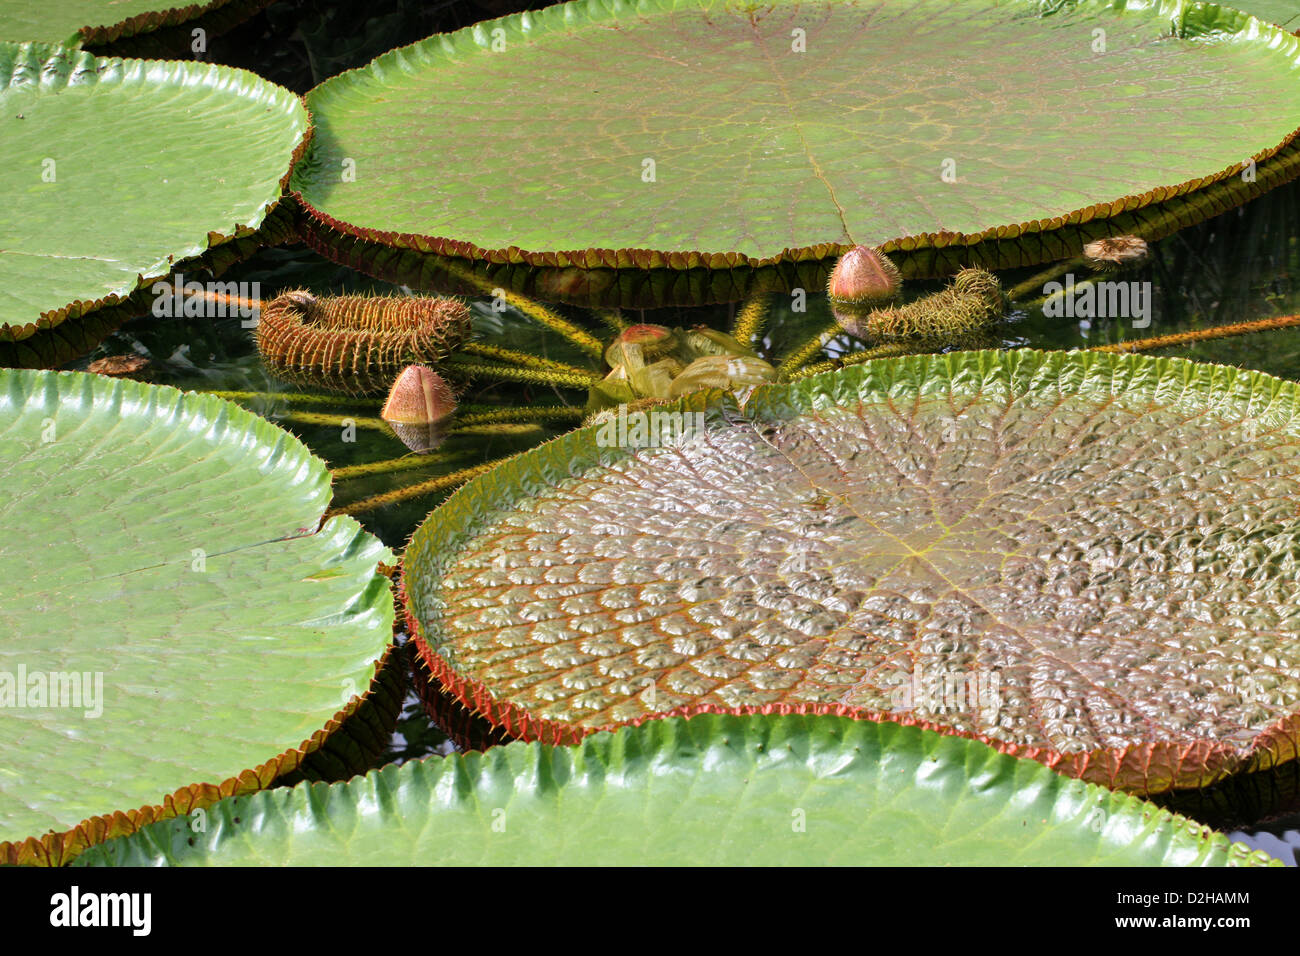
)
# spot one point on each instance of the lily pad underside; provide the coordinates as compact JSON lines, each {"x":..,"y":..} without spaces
{"x":684,"y":133}
{"x":176,"y":628}
{"x":712,"y":790}
{"x":96,"y":22}
{"x":1086,"y":559}
{"x":126,"y":169}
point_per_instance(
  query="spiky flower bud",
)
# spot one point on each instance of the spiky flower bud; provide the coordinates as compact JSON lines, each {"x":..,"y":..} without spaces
{"x":418,"y":405}
{"x":863,"y":278}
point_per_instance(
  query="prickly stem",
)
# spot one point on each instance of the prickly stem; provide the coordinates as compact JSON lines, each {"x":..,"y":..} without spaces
{"x":752,"y":317}
{"x":1201,"y":335}
{"x":515,"y":357}
{"x":533,"y":309}
{"x":515,"y":374}
{"x":429,"y":487}
{"x":804,"y":353}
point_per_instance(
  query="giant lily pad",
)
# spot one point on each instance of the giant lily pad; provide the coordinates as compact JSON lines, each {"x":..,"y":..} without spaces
{"x":1090,"y":560}
{"x":166,"y":545}
{"x":719,"y":790}
{"x":124,"y":168}
{"x":679,"y":133}
{"x":1285,"y":13}
{"x":95,"y":22}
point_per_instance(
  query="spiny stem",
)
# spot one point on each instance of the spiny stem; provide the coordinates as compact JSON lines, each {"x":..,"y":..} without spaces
{"x":752,"y":317}
{"x":305,"y":398}
{"x":800,"y":356}
{"x":548,"y":317}
{"x":612,"y":318}
{"x":333,"y":421}
{"x":1201,"y":335}
{"x":413,"y":491}
{"x":232,"y":301}
{"x":533,"y":376}
{"x":890,"y":350}
{"x":514,"y":357}
{"x":517,"y":415}
{"x":1034,"y":284}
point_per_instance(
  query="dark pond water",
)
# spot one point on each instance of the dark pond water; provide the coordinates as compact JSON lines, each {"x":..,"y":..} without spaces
{"x":1243,"y":265}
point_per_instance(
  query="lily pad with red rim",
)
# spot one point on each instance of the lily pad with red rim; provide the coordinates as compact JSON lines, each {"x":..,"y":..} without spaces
{"x":713,"y":790}
{"x":199,"y":156}
{"x":683,"y":133}
{"x":178,"y":623}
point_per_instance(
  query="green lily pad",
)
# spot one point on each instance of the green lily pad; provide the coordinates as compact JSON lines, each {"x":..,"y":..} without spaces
{"x":165,"y":574}
{"x":712,"y":790}
{"x":1284,"y":13}
{"x":681,"y":133}
{"x":95,"y":22}
{"x":198,"y":156}
{"x":1087,"y":559}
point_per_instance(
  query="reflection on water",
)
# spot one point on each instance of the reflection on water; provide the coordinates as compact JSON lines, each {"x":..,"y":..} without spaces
{"x":1243,"y":265}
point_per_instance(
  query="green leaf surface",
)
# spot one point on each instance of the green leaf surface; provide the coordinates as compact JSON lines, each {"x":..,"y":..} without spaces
{"x":790,"y":130}
{"x":165,"y":544}
{"x":93,"y":21}
{"x":712,"y":790}
{"x":119,"y":169}
{"x":1285,"y":13}
{"x":1088,"y":559}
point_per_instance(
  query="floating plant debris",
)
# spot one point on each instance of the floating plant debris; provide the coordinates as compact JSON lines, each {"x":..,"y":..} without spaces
{"x":1117,"y":252}
{"x":118,"y":365}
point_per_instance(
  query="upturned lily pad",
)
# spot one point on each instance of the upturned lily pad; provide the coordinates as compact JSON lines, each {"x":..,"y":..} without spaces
{"x":196,"y":156}
{"x":1087,"y":559}
{"x":712,"y":790}
{"x":97,"y":22}
{"x":175,"y":626}
{"x":681,"y":133}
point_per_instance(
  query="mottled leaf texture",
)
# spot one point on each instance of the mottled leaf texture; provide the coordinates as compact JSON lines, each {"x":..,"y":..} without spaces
{"x":687,"y":133}
{"x":167,"y":543}
{"x":1090,"y":560}
{"x":115,"y":170}
{"x":712,"y":790}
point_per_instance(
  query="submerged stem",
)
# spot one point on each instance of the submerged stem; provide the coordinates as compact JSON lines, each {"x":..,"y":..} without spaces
{"x":752,"y":317}
{"x":613,"y":318}
{"x":413,"y":491}
{"x":334,"y":421}
{"x":890,"y":350}
{"x":1201,"y":335}
{"x":515,"y":357}
{"x":538,"y":413}
{"x":535,"y":310}
{"x":800,"y":356}
{"x":306,"y":398}
{"x":514,"y":373}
